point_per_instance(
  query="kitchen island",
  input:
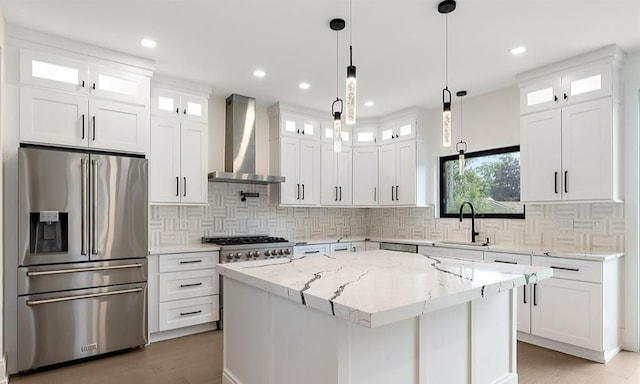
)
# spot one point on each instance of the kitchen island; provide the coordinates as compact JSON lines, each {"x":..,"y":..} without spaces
{"x":371,"y":317}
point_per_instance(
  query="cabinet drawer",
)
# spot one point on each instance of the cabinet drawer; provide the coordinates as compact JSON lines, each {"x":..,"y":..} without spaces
{"x":189,"y":284}
{"x":188,"y":261}
{"x":340,"y":247}
{"x":303,"y":250}
{"x":183,"y":313}
{"x":430,"y":250}
{"x":466,"y":254}
{"x":581,"y":270}
{"x":507,"y":258}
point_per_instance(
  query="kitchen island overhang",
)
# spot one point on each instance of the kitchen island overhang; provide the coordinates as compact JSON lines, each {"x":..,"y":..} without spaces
{"x":371,"y":317}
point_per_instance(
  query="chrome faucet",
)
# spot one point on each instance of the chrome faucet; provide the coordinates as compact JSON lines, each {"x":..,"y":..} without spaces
{"x":473,"y":220}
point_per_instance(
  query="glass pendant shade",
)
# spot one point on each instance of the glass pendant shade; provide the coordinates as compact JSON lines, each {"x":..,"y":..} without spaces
{"x":446,"y":118}
{"x":350,"y":108}
{"x":461,"y":163}
{"x":337,"y":132}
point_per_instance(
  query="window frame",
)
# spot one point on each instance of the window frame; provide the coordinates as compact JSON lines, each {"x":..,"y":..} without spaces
{"x":467,"y":214}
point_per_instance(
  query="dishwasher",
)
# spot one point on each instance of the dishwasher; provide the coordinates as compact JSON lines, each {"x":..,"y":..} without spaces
{"x":399,"y":247}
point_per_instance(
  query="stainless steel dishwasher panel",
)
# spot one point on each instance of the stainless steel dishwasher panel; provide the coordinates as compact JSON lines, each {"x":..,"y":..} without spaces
{"x":62,"y":326}
{"x":399,"y":247}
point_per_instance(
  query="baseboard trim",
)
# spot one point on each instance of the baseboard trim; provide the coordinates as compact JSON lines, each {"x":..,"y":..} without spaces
{"x":229,"y":378}
{"x":599,"y":357}
{"x":180,"y":332}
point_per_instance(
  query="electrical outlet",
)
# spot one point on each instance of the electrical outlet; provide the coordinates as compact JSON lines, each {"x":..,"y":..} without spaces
{"x":184,"y":224}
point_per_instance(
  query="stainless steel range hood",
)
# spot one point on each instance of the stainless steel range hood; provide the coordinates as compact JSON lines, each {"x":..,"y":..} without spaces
{"x":240,"y":145}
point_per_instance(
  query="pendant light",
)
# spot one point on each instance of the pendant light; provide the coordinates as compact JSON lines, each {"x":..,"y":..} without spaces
{"x":461,"y":146}
{"x":446,"y":7}
{"x":350,"y":97}
{"x":337,"y":25}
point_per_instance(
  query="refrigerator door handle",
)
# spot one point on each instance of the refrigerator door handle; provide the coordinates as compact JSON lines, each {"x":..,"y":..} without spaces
{"x":89,"y":269}
{"x":83,"y":202}
{"x":78,"y":297}
{"x":94,"y":207}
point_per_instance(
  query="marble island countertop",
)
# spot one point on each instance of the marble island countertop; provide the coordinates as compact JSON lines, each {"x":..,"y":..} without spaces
{"x":374,"y":288}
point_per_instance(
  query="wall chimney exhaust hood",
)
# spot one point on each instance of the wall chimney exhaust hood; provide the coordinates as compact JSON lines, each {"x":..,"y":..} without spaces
{"x":240,"y":145}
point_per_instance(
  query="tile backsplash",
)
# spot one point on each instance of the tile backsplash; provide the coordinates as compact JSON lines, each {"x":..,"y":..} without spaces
{"x":594,"y":227}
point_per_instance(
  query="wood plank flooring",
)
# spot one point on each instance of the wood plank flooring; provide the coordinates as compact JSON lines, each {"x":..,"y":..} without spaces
{"x":197,"y":359}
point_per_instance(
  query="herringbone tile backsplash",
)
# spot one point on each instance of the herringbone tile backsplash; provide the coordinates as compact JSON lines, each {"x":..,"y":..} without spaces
{"x":594,"y":227}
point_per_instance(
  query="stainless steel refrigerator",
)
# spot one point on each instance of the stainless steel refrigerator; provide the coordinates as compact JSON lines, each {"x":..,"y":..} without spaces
{"x":82,"y":275}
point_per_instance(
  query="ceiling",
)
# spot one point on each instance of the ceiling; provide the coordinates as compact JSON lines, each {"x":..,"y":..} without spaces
{"x":398,"y":45}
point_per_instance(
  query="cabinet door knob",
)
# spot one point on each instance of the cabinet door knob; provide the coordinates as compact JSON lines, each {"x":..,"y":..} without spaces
{"x":555,"y":98}
{"x":566,"y":97}
{"x":82,"y":83}
{"x":93,"y":86}
{"x":177,"y":110}
{"x":184,"y":112}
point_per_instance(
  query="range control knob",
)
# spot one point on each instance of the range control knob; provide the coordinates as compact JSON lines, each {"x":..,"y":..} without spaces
{"x":287,"y":251}
{"x":238,"y":255}
{"x":258,"y":253}
{"x":251,"y":254}
{"x":280,"y":252}
{"x":229,"y":256}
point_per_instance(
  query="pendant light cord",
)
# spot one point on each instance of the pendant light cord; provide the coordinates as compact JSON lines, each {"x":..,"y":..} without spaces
{"x":446,"y":51}
{"x":350,"y":23}
{"x":461,"y":119}
{"x":337,"y":66}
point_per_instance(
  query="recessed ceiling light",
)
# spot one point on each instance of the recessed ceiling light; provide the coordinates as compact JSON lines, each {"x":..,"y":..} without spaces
{"x":368,"y":103}
{"x":304,"y":86}
{"x":259,"y":73}
{"x":148,"y":43}
{"x":518,"y":50}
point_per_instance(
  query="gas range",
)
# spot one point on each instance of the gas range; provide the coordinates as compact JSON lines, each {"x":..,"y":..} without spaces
{"x":245,"y":248}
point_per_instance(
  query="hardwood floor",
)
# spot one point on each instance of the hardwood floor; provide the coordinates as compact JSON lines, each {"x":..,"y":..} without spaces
{"x":197,"y":359}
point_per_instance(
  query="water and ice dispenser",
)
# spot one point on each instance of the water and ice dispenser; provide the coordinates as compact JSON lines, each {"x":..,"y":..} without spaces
{"x":49,"y":232}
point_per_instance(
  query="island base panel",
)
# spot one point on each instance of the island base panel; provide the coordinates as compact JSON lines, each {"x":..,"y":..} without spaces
{"x":269,"y":339}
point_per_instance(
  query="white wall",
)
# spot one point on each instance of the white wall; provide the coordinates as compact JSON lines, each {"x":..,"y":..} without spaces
{"x":631,"y":77}
{"x":3,"y":378}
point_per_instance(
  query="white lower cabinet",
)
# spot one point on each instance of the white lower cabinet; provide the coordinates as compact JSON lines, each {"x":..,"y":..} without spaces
{"x":309,"y":250}
{"x":371,"y":246}
{"x":358,"y":246}
{"x":183,"y":291}
{"x":523,"y":293}
{"x":456,"y":253}
{"x":340,"y":247}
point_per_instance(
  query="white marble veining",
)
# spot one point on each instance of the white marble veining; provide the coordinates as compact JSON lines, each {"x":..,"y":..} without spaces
{"x":189,"y":248}
{"x":374,"y":288}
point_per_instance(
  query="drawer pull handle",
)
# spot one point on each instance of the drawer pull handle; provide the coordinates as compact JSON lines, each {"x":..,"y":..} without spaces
{"x":79,"y":297}
{"x":88,"y":269}
{"x":190,"y":285}
{"x":524,"y":294}
{"x":340,"y":249}
{"x":535,"y":301}
{"x":566,"y":269}
{"x":505,"y":262}
{"x":190,"y":261}
{"x":190,"y":313}
{"x":308,"y":252}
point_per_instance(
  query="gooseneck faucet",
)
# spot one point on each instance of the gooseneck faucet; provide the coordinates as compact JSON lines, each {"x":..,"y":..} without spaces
{"x":473,"y":220}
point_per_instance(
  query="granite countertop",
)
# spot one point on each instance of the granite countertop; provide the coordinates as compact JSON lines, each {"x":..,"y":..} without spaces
{"x":374,"y":288}
{"x":184,"y":249}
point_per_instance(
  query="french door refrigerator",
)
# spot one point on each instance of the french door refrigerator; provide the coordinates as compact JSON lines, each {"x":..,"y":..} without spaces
{"x":82,"y":274}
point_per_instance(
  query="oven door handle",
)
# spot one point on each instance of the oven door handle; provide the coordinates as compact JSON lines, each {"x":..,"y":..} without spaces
{"x":78,"y":297}
{"x":88,"y":269}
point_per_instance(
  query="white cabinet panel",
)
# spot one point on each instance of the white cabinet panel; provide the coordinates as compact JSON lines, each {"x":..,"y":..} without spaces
{"x":587,"y":83}
{"x":194,"y":108}
{"x":387,"y":174}
{"x":189,"y":261}
{"x":309,"y":172}
{"x":358,"y":246}
{"x":398,"y":130}
{"x":164,"y":167}
{"x":183,"y":313}
{"x":541,"y":156}
{"x":406,"y":173}
{"x":165,"y":103}
{"x":53,"y":117}
{"x":188,"y":284}
{"x":372,"y":245}
{"x":340,"y":247}
{"x":118,"y":85}
{"x":365,"y":135}
{"x":365,"y":176}
{"x":540,"y":95}
{"x":289,"y":168}
{"x":335,"y":178}
{"x":587,"y":151}
{"x":117,"y":126}
{"x":309,"y":250}
{"x":52,"y":71}
{"x":295,"y":125}
{"x":568,"y":311}
{"x":193,"y":163}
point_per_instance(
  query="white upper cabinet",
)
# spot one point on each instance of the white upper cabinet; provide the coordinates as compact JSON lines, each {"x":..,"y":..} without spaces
{"x":327,"y":133}
{"x":365,"y":135}
{"x":174,"y":104}
{"x":178,"y":156}
{"x":52,"y":71}
{"x":365,"y":176}
{"x":298,"y":125}
{"x":397,"y":130}
{"x":336,"y":175}
{"x":570,"y":85}
{"x":70,"y":102}
{"x":118,"y":85}
{"x":398,"y":173}
{"x":300,"y":165}
{"x":572,"y":152}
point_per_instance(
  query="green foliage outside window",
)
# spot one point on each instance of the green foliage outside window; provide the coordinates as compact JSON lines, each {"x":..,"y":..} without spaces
{"x":491,"y":182}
